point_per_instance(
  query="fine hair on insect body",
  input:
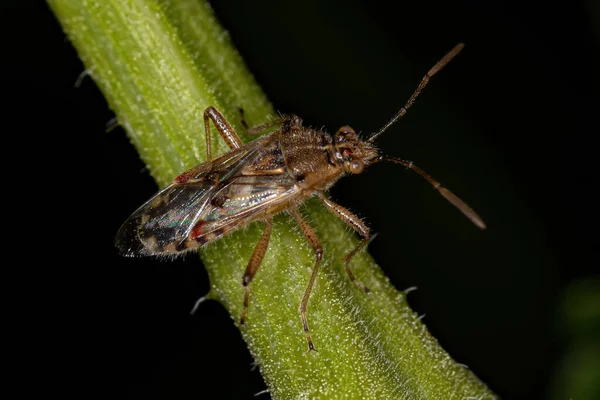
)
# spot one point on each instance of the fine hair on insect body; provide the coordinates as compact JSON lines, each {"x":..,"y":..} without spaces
{"x":274,"y":173}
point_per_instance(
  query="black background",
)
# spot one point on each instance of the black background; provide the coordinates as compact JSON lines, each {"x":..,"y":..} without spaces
{"x":510,"y":125}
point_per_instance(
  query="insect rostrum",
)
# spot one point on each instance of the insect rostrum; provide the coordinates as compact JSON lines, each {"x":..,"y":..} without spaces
{"x":274,"y":173}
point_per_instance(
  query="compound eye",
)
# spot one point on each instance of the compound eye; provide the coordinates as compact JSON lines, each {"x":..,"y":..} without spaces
{"x":357,"y":166}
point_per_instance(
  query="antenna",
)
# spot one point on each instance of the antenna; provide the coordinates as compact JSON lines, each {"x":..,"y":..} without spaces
{"x":436,"y":68}
{"x":448,"y":195}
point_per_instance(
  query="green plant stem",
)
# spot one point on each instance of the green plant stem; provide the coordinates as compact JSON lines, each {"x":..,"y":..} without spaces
{"x":160,"y":64}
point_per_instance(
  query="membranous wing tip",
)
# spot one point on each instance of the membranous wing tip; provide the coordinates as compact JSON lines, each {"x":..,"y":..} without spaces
{"x":160,"y":223}
{"x":128,"y":242}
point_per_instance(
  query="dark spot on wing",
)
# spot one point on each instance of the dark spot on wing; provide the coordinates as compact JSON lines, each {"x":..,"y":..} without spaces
{"x":182,"y":246}
{"x":212,"y":176}
{"x":218,"y":201}
{"x":201,"y":240}
{"x":219,"y":232}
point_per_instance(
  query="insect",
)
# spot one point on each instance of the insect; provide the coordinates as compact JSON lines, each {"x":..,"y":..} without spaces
{"x":274,"y":173}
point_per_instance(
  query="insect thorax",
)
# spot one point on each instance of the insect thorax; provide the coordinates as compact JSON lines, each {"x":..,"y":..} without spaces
{"x":309,"y":158}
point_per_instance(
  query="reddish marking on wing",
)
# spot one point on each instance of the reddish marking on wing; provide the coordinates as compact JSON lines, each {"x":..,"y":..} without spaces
{"x":184,"y":177}
{"x":197,"y":230}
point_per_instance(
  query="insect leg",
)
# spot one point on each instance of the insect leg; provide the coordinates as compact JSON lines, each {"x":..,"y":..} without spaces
{"x":292,"y":120}
{"x":254,"y":264}
{"x":313,"y":241}
{"x":224,"y":128}
{"x":355,"y":223}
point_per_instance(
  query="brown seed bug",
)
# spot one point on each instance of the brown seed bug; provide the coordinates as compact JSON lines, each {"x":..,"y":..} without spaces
{"x":274,"y":173}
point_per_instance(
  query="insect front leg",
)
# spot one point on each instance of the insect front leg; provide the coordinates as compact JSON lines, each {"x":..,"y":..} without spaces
{"x":224,"y":128}
{"x":355,"y":223}
{"x":313,"y":241}
{"x":254,"y":264}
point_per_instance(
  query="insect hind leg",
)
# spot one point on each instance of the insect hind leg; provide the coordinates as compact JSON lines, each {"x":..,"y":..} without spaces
{"x":253,"y":265}
{"x":313,"y":241}
{"x":224,"y":128}
{"x":355,"y":223}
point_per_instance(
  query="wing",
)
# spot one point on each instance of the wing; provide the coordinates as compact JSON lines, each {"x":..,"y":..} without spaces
{"x":243,"y":200}
{"x":162,"y":220}
{"x":208,"y":201}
